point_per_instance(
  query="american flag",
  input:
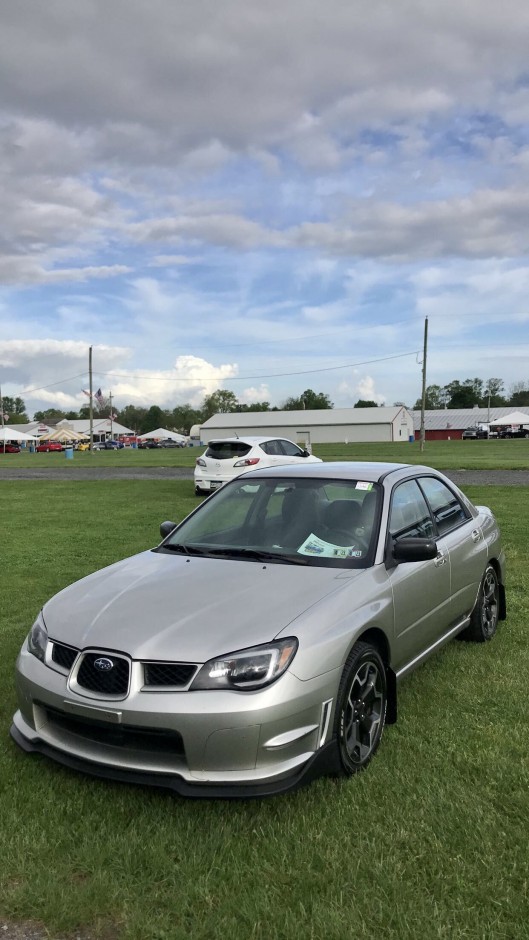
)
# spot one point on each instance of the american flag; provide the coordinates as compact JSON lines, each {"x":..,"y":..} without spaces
{"x":99,"y":397}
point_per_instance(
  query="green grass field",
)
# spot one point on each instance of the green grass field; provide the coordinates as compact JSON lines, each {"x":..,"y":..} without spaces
{"x":429,"y":842}
{"x":444,"y":455}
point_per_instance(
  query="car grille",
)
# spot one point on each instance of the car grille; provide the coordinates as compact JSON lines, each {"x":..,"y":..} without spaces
{"x":176,"y":675}
{"x":64,"y":656}
{"x":114,"y":681}
{"x":156,"y":740}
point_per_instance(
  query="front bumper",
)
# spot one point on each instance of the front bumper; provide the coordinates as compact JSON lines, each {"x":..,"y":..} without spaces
{"x":204,"y":743}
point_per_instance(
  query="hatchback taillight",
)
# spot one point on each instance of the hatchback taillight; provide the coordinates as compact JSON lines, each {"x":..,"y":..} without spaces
{"x":200,"y":462}
{"x":247,"y":462}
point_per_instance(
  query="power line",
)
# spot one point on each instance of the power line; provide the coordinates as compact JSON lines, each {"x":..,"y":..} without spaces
{"x":270,"y":375}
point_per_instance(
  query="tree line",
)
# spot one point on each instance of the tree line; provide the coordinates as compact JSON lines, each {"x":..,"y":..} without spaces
{"x":466,"y":394}
{"x":471,"y":392}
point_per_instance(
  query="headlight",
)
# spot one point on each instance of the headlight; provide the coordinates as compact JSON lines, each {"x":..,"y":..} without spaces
{"x":247,"y":669}
{"x":38,"y":639}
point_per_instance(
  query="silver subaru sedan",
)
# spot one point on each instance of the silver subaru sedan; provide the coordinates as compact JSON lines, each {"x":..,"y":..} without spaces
{"x":260,"y":644}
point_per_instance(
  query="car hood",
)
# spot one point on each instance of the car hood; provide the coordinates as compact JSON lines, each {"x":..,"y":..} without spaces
{"x":171,"y":607}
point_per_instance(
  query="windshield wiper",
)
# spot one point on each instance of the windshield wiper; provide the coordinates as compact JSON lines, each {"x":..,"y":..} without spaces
{"x":255,"y":554}
{"x":183,"y":549}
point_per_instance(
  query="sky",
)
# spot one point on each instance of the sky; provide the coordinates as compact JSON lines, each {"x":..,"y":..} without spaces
{"x":262,"y":197}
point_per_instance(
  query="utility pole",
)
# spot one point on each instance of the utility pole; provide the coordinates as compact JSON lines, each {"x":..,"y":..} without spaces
{"x":3,"y":426}
{"x":91,"y":401}
{"x":111,"y":416}
{"x":423,"y":402}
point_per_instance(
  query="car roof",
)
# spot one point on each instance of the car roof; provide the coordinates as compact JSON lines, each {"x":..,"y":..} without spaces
{"x":247,"y":439}
{"x":368,"y":471}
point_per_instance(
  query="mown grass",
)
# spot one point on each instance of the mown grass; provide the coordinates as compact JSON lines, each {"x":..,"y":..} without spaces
{"x":429,"y":842}
{"x":444,"y":455}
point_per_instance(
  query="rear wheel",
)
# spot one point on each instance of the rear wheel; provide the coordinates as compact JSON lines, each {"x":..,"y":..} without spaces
{"x":484,"y":618}
{"x":361,"y":707}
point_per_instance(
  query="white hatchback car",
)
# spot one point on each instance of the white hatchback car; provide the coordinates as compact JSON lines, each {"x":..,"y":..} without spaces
{"x":229,"y":456}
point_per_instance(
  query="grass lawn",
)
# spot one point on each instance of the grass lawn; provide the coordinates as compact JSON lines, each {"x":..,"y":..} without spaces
{"x":444,"y":455}
{"x":429,"y":842}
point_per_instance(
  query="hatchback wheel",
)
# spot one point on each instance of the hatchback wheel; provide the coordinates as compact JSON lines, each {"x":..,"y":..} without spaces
{"x":361,"y":707}
{"x":484,"y":618}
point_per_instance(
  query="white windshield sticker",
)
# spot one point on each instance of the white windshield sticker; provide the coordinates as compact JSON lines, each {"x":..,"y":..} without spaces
{"x":363,"y":486}
{"x":313,"y":545}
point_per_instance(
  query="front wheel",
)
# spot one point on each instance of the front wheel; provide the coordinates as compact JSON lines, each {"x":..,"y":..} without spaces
{"x":361,"y":707}
{"x":484,"y":618}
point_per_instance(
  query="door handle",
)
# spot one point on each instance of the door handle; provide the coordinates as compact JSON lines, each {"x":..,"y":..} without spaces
{"x":476,"y":535}
{"x":440,"y":559}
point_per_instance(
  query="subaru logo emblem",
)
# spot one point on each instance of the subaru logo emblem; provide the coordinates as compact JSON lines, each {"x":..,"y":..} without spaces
{"x":104,"y":664}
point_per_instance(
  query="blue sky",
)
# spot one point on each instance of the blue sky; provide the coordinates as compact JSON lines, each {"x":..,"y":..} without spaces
{"x":262,"y":197}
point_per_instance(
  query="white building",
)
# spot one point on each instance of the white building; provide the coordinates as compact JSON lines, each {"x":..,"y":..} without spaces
{"x":318,"y":426}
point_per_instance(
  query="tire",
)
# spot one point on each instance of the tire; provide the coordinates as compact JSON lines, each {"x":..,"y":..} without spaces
{"x":484,"y":618}
{"x":361,"y":708}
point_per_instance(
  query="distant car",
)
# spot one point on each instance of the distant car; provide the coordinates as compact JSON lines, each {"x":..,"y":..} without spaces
{"x":83,"y":445}
{"x":149,"y":444}
{"x":9,"y":448}
{"x":474,"y":433}
{"x":169,"y":442}
{"x":230,"y":456}
{"x":514,"y":432}
{"x":112,"y":445}
{"x":262,"y":642}
{"x":47,"y":446}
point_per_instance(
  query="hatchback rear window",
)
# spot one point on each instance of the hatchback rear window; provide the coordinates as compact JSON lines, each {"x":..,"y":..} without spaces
{"x":227,"y":450}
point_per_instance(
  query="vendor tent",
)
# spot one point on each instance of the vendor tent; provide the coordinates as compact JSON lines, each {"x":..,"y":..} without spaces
{"x":9,"y":434}
{"x":65,"y":436}
{"x":162,"y":434}
{"x":515,"y":417}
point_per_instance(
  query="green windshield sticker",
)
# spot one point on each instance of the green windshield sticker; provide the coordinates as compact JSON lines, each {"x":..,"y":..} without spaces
{"x":364,"y":486}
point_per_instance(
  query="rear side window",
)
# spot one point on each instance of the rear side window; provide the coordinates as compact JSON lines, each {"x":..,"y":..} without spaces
{"x":227,"y":450}
{"x":290,"y":449}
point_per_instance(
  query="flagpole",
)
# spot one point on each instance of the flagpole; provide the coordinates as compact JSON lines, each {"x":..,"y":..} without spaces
{"x":111,"y":434}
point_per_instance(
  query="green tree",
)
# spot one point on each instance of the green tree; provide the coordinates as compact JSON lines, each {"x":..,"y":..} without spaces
{"x":519,"y":395}
{"x":15,"y":409}
{"x":133,"y":417}
{"x":365,"y":403}
{"x":154,"y":418}
{"x":49,"y":415}
{"x":220,"y":402}
{"x":255,"y":406}
{"x":493,"y":394}
{"x":435,"y":398}
{"x":464,"y":394}
{"x":183,"y":417}
{"x":308,"y":400}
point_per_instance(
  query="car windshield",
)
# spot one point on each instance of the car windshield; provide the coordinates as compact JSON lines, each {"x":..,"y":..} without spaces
{"x":324,"y":523}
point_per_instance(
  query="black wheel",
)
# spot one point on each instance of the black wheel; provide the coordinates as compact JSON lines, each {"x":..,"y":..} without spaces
{"x":484,"y":618}
{"x":198,"y":491}
{"x":361,"y":707}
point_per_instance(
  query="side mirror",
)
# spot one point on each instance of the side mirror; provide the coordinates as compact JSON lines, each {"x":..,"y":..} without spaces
{"x":413,"y":549}
{"x":166,"y":528}
{"x":305,"y":452}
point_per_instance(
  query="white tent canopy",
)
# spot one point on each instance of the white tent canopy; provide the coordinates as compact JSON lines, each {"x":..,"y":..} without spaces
{"x":516,"y":417}
{"x":9,"y":434}
{"x":162,"y":434}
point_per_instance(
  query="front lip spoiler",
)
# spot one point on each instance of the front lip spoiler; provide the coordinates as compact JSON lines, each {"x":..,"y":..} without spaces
{"x":324,"y":762}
